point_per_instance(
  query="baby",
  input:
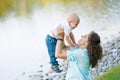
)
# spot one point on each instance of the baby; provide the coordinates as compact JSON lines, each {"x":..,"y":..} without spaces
{"x":71,"y":23}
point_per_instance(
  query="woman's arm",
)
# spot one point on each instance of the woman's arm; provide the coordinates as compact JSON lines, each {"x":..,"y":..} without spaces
{"x":60,"y":51}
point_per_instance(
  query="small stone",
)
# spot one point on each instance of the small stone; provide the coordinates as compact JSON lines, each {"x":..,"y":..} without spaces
{"x":41,"y":65}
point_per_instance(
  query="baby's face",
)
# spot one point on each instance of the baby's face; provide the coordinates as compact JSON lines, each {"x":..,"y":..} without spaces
{"x":74,"y":24}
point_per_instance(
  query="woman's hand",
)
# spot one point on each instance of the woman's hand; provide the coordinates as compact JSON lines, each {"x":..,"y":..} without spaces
{"x":60,"y":30}
{"x":75,"y":45}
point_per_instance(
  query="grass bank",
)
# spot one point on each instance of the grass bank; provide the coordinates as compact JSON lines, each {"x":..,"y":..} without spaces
{"x":112,"y":74}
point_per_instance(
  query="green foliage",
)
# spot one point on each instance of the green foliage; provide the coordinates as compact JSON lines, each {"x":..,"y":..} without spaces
{"x":112,"y":74}
{"x":25,"y":7}
{"x":6,"y":6}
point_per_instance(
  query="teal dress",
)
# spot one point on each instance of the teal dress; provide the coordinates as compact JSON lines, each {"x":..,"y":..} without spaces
{"x":78,"y":64}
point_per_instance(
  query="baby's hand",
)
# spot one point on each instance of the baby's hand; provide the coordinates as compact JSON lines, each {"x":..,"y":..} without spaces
{"x":75,"y":45}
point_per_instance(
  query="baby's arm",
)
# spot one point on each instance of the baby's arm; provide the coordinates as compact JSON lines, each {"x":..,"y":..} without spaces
{"x":72,"y":38}
{"x":69,"y":40}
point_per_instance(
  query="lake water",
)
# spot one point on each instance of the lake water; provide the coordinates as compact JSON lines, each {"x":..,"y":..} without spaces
{"x":22,"y":44}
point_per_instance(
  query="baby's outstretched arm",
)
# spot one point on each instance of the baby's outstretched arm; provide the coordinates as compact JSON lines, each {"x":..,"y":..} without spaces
{"x":70,"y":40}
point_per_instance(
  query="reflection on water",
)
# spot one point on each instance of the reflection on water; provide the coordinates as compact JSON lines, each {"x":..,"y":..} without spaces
{"x":22,"y":45}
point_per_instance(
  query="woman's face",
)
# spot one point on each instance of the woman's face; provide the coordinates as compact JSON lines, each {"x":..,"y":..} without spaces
{"x":84,"y":40}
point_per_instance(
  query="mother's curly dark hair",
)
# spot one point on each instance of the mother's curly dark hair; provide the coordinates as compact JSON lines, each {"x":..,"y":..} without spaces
{"x":94,"y":48}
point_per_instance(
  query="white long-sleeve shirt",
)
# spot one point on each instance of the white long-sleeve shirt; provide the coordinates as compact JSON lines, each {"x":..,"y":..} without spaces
{"x":65,"y":25}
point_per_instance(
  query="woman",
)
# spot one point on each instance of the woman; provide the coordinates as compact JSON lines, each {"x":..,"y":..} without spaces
{"x":81,"y":58}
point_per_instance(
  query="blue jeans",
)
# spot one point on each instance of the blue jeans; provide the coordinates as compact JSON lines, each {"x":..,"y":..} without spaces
{"x":51,"y":46}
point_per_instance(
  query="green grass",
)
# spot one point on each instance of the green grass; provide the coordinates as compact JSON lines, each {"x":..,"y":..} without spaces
{"x":112,"y":74}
